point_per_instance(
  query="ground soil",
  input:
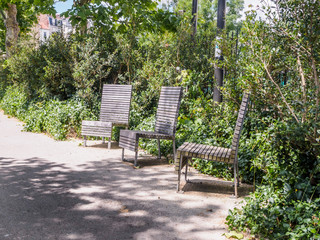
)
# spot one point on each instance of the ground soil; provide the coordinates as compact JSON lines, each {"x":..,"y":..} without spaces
{"x":61,"y":190}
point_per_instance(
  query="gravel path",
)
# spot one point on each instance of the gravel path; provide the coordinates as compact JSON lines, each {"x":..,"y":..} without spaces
{"x":61,"y":190}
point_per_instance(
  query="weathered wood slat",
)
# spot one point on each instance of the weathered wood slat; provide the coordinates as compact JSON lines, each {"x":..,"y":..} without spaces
{"x":96,"y":123}
{"x":170,"y":90}
{"x":172,"y":110}
{"x":179,"y":153}
{"x":192,"y":148}
{"x":115,"y":105}
{"x":106,"y":115}
{"x":168,"y":104}
{"x":199,"y":150}
{"x":212,"y":153}
{"x":111,"y":119}
{"x":119,"y":99}
{"x":166,"y":119}
{"x":184,"y":149}
{"x":118,"y":91}
{"x":172,"y":101}
{"x":207,"y":153}
{"x":96,"y":129}
{"x":164,"y":126}
{"x":203,"y":150}
{"x":114,"y":110}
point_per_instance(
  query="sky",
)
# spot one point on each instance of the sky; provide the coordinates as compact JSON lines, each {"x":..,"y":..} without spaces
{"x":63,"y":6}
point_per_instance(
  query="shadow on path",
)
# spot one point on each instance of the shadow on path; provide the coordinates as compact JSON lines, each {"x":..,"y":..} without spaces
{"x":40,"y":199}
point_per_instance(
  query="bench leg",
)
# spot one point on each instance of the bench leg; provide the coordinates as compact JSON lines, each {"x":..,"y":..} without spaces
{"x":159,"y":151}
{"x":85,"y":141}
{"x":235,"y":180}
{"x":136,"y":159}
{"x":186,"y":173}
{"x":174,"y":150}
{"x":179,"y":173}
{"x":122,"y":156}
{"x":238,"y":180}
{"x":109,"y":143}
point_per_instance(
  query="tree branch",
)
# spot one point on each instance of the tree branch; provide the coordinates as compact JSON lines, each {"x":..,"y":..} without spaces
{"x":3,"y":15}
{"x":303,"y":85}
{"x":317,"y":83}
{"x":279,"y":89}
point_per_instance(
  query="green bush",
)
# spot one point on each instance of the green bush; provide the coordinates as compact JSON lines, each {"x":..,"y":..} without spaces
{"x":59,"y":84}
{"x":282,"y":74}
{"x":59,"y":119}
{"x":14,"y":102}
{"x":44,"y":71}
{"x":273,"y":214}
{"x":60,"y":68}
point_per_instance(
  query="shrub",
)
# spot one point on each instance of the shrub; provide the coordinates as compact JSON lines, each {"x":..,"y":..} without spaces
{"x":14,"y":102}
{"x":59,"y":119}
{"x":274,"y":214}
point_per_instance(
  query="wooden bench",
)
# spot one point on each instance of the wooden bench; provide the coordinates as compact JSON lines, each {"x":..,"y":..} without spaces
{"x":114,"y":111}
{"x":213,"y":153}
{"x":165,"y":126}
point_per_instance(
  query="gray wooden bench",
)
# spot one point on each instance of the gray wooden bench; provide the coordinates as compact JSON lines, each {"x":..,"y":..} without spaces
{"x":213,"y":153}
{"x":165,"y":126}
{"x":114,"y":111}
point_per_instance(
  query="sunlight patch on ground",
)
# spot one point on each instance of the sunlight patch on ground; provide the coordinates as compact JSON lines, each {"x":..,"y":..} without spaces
{"x":88,"y":190}
{"x":97,"y":204}
{"x":77,"y":236}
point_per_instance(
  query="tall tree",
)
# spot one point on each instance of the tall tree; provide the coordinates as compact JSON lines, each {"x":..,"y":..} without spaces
{"x":12,"y":27}
{"x":280,"y":64}
{"x":208,"y":9}
{"x":18,"y":16}
{"x":119,"y":15}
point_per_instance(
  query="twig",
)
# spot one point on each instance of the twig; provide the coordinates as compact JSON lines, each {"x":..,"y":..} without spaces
{"x":279,"y":89}
{"x":303,"y":85}
{"x":317,"y":83}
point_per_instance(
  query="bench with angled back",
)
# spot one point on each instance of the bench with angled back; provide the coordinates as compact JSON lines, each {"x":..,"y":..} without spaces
{"x":114,"y":111}
{"x":213,"y":153}
{"x":165,"y":126}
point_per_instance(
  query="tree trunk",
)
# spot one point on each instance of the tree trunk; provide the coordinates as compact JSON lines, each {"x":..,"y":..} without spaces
{"x":12,"y":28}
{"x":80,"y":3}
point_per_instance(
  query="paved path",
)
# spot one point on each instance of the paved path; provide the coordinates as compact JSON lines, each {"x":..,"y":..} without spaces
{"x":61,"y":190}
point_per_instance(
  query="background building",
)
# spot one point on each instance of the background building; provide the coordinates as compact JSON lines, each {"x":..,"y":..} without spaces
{"x":48,"y":25}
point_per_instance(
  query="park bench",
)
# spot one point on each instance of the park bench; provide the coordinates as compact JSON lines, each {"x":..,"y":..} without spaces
{"x":212,"y":153}
{"x":165,"y":125}
{"x":114,"y":111}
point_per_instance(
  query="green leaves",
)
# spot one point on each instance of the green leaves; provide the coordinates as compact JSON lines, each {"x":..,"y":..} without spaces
{"x":57,"y":118}
{"x":269,"y":213}
{"x":132,"y":17}
{"x":234,"y":235}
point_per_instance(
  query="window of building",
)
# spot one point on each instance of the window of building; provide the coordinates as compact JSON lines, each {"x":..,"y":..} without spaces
{"x":50,"y":21}
{"x":45,"y":35}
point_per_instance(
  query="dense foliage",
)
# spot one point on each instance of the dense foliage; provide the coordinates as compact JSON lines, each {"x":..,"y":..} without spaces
{"x":280,"y":63}
{"x":58,"y":118}
{"x":25,"y":15}
{"x":52,"y":87}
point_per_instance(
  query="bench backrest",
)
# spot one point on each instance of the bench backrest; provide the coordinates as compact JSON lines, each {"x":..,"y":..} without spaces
{"x":168,"y":110}
{"x":115,"y":103}
{"x":239,"y":124}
